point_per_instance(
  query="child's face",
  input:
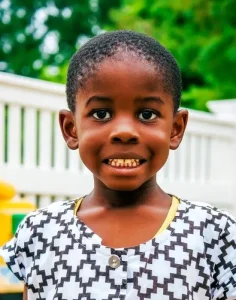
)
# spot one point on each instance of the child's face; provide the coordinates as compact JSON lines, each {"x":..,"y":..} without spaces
{"x":122,"y":113}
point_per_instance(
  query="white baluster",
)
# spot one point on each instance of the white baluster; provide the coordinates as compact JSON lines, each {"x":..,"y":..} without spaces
{"x":14,"y":135}
{"x":30,"y":137}
{"x":45,"y":143}
{"x":44,"y":201}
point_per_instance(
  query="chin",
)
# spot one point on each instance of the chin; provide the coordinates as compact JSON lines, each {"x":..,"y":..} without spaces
{"x":125,"y":187}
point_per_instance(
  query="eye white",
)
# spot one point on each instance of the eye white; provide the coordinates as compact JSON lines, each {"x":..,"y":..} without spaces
{"x":102,"y":115}
{"x":147,"y":115}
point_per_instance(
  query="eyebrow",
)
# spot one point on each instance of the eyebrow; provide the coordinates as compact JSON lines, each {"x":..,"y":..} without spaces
{"x":137,"y":100}
{"x":98,"y":99}
{"x":150,"y":99}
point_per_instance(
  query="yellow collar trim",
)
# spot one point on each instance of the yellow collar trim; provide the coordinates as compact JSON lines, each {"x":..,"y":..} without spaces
{"x":169,"y":218}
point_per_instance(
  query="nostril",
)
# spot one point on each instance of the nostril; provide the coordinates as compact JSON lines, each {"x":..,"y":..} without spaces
{"x":125,"y":136}
{"x":133,"y":140}
{"x":116,"y":139}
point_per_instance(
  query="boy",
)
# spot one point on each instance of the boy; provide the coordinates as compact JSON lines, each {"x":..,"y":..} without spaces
{"x":127,"y":239}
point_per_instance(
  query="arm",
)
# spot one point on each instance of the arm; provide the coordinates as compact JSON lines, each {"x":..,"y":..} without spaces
{"x":224,"y":285}
{"x":13,"y":253}
{"x":25,"y":293}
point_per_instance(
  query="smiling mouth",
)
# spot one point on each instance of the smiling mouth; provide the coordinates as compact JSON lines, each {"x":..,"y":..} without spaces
{"x":124,"y":163}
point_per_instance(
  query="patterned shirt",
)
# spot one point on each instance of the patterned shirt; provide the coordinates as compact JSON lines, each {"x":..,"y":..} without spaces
{"x":59,"y":257}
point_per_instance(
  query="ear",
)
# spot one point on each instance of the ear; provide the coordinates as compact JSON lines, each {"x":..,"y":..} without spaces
{"x":68,"y":129}
{"x":178,"y":128}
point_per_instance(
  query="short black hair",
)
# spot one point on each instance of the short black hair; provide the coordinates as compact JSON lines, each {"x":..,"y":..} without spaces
{"x":86,"y":60}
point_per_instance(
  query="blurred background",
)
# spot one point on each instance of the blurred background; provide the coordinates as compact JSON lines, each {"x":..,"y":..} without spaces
{"x":38,"y":37}
{"x":37,"y":40}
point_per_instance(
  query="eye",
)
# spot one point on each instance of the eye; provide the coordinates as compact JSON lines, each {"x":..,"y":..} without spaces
{"x":147,"y":115}
{"x":102,"y":114}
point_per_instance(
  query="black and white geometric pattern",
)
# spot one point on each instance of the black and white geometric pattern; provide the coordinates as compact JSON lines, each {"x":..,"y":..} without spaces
{"x":60,"y":258}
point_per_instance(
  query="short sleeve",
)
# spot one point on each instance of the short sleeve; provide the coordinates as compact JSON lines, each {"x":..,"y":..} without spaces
{"x":13,"y":252}
{"x":224,"y":284}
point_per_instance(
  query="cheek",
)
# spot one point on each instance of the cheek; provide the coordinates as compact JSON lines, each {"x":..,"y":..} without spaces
{"x":86,"y":134}
{"x":158,"y":138}
{"x":89,"y":147}
{"x":91,"y":135}
{"x":159,"y":145}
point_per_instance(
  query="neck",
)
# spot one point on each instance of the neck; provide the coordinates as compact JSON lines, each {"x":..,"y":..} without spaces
{"x":147,"y":194}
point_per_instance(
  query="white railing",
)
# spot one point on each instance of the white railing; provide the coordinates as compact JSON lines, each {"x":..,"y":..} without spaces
{"x":35,"y":159}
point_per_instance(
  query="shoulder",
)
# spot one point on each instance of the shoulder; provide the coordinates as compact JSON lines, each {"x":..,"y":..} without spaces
{"x":44,"y":223}
{"x":54,"y":211}
{"x":213,"y":221}
{"x":216,"y":228}
{"x":206,"y":210}
{"x":40,"y":226}
{"x":34,"y":235}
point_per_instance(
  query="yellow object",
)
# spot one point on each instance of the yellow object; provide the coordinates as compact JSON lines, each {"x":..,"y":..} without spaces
{"x":12,"y":211}
{"x":8,"y":209}
{"x":6,"y":225}
{"x":7,"y":191}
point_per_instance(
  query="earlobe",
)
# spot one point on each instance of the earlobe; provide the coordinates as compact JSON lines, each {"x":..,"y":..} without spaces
{"x":178,"y":128}
{"x":68,"y":129}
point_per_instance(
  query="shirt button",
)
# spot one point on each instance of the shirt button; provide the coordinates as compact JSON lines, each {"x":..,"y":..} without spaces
{"x":114,"y":261}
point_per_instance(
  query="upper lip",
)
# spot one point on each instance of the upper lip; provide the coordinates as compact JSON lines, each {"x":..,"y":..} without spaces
{"x":125,"y":155}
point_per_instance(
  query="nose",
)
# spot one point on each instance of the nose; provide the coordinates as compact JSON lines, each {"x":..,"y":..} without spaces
{"x":124,"y":132}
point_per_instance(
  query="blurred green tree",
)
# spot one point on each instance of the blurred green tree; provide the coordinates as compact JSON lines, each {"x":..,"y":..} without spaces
{"x":202,"y":36}
{"x":37,"y":38}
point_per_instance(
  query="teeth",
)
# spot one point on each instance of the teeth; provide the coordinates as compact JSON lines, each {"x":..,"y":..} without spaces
{"x":129,"y":163}
{"x":113,"y":163}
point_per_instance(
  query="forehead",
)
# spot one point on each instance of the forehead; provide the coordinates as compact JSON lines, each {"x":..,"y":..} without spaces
{"x":113,"y":71}
{"x":126,"y":76}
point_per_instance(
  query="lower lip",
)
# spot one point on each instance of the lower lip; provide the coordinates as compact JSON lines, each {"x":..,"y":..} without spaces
{"x":124,"y":170}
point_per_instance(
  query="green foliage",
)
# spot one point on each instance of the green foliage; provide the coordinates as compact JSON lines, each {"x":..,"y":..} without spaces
{"x":200,"y":33}
{"x":38,"y":37}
